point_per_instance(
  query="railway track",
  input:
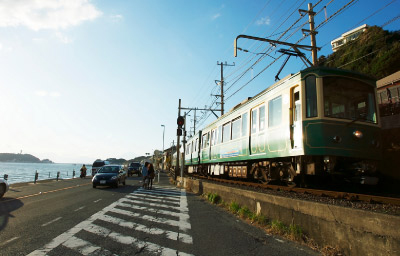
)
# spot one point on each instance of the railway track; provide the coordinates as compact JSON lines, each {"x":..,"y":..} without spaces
{"x":317,"y":192}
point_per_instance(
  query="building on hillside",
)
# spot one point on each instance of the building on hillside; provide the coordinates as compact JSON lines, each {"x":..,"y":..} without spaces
{"x":347,"y":37}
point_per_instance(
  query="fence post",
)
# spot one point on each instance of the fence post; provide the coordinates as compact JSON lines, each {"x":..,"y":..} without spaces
{"x":73,"y":173}
{"x":36,"y":177}
{"x":58,"y":175}
{"x":49,"y":174}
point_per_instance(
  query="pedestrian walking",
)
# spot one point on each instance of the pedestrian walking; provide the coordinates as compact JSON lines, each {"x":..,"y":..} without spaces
{"x":151,"y":175}
{"x":145,"y":174}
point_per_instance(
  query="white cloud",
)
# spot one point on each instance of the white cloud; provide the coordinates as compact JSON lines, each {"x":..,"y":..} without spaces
{"x":63,"y":38}
{"x":116,"y":17}
{"x":216,"y":16}
{"x":41,"y":93}
{"x":46,"y":93}
{"x":46,"y":14}
{"x":263,"y":21}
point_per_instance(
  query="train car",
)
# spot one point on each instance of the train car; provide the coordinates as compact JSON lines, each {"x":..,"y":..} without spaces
{"x":192,"y":153}
{"x":319,"y":122}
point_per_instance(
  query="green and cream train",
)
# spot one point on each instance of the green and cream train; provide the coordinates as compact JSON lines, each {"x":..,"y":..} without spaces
{"x":320,"y":122}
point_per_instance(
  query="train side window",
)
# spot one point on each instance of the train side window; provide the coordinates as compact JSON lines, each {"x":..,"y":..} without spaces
{"x":196,"y":145}
{"x":262,"y":118}
{"x":254,"y":121}
{"x":275,"y":112}
{"x":213,"y":137}
{"x":220,"y":134}
{"x":204,"y":140}
{"x":236,"y":128}
{"x":244,"y":124}
{"x":311,"y":97}
{"x":226,"y":132}
{"x":208,"y":139}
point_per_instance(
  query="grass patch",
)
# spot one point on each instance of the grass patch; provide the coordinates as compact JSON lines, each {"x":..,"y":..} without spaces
{"x":295,"y":232}
{"x":244,"y":212}
{"x":214,"y":198}
{"x":234,"y":207}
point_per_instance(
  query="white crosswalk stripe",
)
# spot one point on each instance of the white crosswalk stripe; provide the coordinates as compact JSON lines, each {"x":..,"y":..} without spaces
{"x":161,"y":213}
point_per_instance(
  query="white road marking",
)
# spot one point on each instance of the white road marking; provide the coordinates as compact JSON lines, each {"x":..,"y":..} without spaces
{"x":98,"y":200}
{"x":68,"y":239}
{"x":9,"y":241}
{"x":80,"y":208}
{"x":52,"y":221}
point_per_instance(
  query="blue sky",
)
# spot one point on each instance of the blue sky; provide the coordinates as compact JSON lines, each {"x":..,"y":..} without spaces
{"x":84,"y":79}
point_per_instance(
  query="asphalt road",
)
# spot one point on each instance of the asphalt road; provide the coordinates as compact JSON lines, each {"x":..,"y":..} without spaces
{"x":71,"y":218}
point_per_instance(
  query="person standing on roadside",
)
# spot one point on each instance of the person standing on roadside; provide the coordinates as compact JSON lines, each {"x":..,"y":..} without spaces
{"x":151,"y":175}
{"x":145,"y":174}
{"x":83,"y":171}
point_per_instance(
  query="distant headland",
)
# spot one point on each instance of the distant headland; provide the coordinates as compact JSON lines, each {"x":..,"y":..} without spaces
{"x":22,"y":158}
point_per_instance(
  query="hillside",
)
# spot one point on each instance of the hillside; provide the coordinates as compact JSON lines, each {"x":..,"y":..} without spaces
{"x":376,"y":53}
{"x":21,"y":158}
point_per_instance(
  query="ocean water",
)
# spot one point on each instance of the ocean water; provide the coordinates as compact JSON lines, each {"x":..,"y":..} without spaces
{"x":25,"y":172}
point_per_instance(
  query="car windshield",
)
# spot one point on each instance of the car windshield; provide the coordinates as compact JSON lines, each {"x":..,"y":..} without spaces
{"x":135,"y":165}
{"x":349,"y":99}
{"x":109,"y":169}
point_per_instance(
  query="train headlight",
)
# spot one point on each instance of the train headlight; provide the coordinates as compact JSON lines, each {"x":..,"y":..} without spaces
{"x":357,"y":134}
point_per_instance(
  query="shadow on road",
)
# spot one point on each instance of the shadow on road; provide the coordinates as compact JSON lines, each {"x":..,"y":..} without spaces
{"x":8,"y":205}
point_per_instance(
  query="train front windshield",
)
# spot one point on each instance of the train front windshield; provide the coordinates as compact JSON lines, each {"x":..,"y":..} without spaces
{"x":349,"y":99}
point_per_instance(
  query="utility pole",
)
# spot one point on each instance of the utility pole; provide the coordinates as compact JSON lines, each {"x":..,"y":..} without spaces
{"x":312,"y":32}
{"x":184,"y":149}
{"x":194,"y":122}
{"x":222,"y":83}
{"x":177,"y":144}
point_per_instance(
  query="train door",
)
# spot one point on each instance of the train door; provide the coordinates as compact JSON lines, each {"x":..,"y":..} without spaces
{"x":296,"y":135}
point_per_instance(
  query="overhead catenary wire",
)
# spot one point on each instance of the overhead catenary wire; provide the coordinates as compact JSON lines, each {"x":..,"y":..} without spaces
{"x":349,"y":4}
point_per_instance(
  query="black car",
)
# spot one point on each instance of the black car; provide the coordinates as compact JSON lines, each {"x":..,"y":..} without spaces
{"x":109,"y":175}
{"x":135,"y":168}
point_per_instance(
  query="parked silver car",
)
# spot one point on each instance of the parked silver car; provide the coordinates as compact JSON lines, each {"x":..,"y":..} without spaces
{"x":3,"y":187}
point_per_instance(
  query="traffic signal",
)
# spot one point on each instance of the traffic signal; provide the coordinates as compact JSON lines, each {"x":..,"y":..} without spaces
{"x":180,"y":121}
{"x":179,"y":132}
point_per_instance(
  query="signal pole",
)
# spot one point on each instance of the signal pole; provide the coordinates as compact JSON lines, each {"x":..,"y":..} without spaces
{"x":222,"y":83}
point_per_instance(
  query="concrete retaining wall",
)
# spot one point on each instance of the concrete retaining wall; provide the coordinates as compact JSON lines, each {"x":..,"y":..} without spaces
{"x":353,"y":231}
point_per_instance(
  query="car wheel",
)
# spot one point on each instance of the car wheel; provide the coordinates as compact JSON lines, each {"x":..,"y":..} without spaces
{"x":116,"y":185}
{"x":94,"y":186}
{"x":123,"y":183}
{"x":2,"y":190}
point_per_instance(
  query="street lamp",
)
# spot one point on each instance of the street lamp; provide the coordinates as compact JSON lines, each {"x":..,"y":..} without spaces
{"x":162,"y":152}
